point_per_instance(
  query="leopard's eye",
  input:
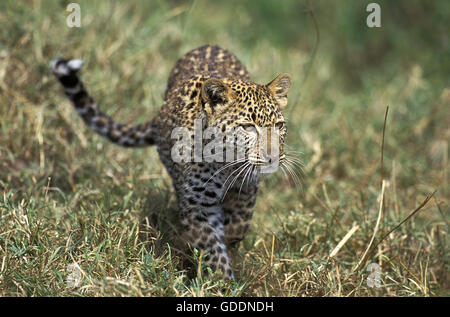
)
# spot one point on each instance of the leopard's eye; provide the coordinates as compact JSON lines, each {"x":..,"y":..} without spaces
{"x":249,"y":127}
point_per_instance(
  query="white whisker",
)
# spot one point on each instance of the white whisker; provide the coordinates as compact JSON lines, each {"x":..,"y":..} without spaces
{"x":240,"y":169}
{"x":224,"y":167}
{"x":249,"y":168}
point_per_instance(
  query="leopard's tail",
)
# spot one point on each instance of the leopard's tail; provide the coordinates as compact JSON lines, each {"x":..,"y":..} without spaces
{"x":122,"y":134}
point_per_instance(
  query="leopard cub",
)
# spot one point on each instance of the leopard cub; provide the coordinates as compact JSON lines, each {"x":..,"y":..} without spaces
{"x":208,"y":85}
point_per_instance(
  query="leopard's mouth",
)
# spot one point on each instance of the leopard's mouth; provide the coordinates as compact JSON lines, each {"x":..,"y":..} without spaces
{"x":267,"y":160}
{"x":268,"y":165}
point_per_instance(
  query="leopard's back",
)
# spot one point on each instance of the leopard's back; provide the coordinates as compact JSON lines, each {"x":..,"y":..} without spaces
{"x":208,"y":62}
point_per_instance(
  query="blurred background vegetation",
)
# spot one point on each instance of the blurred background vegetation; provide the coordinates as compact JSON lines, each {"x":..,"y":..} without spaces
{"x":68,"y":196}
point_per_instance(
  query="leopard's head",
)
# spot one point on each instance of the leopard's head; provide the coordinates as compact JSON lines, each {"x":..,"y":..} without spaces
{"x":253,"y":113}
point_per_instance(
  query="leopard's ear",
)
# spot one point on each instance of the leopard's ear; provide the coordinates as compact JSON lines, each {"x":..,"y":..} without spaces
{"x":280,"y":87}
{"x":215,"y":95}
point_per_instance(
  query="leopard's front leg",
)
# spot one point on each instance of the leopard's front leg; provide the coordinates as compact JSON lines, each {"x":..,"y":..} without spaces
{"x":202,"y":221}
{"x":238,"y":211}
{"x":203,"y":229}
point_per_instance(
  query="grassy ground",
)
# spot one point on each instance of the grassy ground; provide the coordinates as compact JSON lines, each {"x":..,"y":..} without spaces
{"x":67,"y":196}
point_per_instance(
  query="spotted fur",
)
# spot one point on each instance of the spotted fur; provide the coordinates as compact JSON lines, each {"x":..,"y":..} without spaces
{"x":215,"y":199}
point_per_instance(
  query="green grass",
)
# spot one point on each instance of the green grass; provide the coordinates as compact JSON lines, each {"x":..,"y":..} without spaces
{"x":67,"y":196}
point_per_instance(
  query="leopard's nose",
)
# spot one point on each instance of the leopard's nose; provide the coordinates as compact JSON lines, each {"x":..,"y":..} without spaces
{"x":271,"y":158}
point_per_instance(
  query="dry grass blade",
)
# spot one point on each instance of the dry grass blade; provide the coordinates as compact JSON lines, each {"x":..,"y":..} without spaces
{"x":426,"y":200}
{"x":316,"y":44}
{"x":199,"y":265}
{"x":369,"y":249}
{"x":375,"y":230}
{"x":382,"y":143}
{"x":343,"y":241}
{"x":382,"y":196}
